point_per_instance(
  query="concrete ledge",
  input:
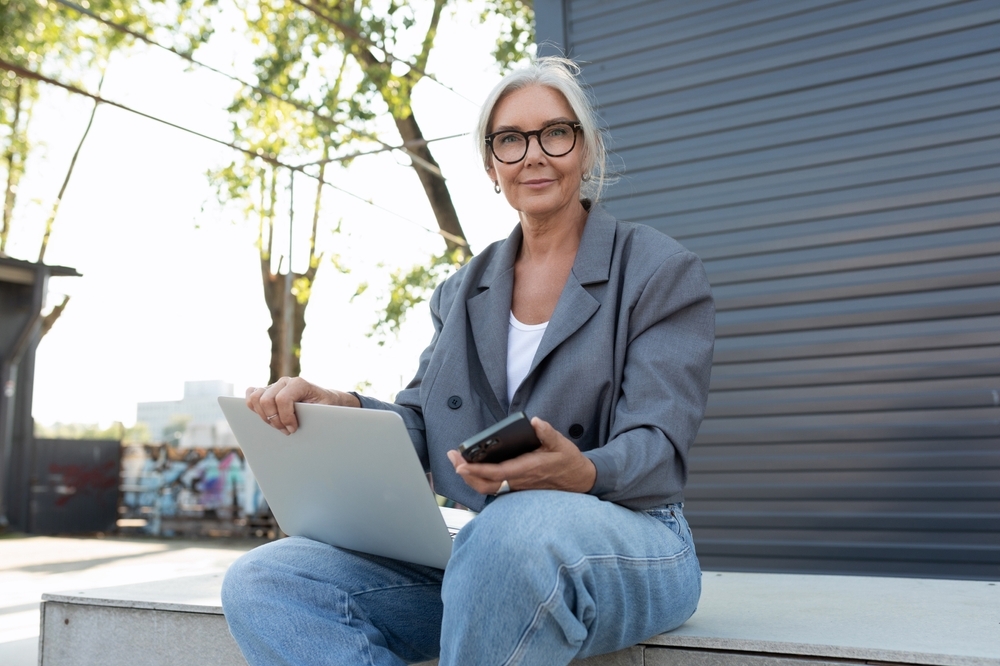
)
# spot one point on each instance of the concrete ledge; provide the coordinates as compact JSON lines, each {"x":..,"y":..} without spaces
{"x":898,"y":620}
{"x":149,"y":624}
{"x":743,"y":619}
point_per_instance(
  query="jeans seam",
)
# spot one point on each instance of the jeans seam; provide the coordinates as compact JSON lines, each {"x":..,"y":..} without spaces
{"x":531,"y":628}
{"x":392,"y":587}
{"x":365,"y":646}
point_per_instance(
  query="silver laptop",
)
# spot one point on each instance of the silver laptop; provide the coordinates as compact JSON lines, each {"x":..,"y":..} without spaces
{"x":350,"y":478}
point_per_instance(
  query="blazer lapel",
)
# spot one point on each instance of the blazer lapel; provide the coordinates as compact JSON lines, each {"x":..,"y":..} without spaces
{"x":592,"y":265}
{"x":489,"y":315}
{"x":489,"y":310}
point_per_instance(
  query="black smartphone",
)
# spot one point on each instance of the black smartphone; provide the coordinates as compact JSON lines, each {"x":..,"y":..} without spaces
{"x":505,"y":440}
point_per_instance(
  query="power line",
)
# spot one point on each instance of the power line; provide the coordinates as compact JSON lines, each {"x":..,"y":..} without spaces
{"x":385,"y":148}
{"x":27,"y":73}
{"x":266,"y":157}
{"x":405,"y":147}
{"x":389,"y":58}
{"x":458,"y":240}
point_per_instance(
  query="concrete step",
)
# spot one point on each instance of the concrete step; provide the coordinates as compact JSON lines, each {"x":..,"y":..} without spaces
{"x":744,"y":619}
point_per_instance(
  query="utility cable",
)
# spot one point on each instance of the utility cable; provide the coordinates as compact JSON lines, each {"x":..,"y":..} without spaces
{"x":389,"y":58}
{"x":405,"y":147}
{"x":28,"y":74}
{"x":269,"y":158}
{"x":385,"y":148}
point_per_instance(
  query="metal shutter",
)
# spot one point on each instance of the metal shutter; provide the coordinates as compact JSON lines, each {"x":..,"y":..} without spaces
{"x":836,"y":165}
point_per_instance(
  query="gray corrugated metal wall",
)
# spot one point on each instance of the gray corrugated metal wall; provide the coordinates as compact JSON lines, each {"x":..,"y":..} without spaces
{"x":837,"y":167}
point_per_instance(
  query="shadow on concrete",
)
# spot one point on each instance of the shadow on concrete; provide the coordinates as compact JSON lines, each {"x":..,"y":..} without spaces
{"x":23,"y":652}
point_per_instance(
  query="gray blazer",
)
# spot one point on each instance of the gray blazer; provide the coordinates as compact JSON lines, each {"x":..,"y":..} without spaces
{"x":622,"y":369}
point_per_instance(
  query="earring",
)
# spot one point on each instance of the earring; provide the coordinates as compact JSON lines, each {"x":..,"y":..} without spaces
{"x":586,"y":177}
{"x":496,"y":186}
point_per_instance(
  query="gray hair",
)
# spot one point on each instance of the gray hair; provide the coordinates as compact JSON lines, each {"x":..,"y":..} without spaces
{"x":563,"y":76}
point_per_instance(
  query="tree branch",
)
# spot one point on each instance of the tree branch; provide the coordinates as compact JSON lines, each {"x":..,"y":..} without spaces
{"x":435,"y":188}
{"x":425,"y":50}
{"x":69,"y":174}
{"x":49,"y":319}
{"x":424,"y":163}
{"x":13,"y":169}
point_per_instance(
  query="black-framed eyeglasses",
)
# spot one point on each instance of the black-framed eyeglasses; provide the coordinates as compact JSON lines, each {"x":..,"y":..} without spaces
{"x":555,"y":140}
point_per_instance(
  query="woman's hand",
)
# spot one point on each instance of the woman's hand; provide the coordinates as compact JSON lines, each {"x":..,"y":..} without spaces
{"x":557,"y":465}
{"x":276,"y":403}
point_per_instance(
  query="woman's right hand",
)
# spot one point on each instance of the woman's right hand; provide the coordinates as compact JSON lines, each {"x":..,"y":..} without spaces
{"x":275,"y":404}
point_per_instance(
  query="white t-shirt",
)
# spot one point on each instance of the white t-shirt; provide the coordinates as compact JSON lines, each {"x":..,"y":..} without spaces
{"x":522,"y":343}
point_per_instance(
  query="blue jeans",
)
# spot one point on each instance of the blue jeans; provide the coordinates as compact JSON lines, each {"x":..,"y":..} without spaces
{"x":539,"y":577}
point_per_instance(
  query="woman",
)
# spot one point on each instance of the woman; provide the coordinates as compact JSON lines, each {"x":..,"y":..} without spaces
{"x":600,"y":329}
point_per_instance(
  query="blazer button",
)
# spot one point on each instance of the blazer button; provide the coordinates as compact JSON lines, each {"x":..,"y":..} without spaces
{"x":575,"y":430}
{"x":455,"y":402}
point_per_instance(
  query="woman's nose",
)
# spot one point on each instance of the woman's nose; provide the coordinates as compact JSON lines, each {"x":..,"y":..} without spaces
{"x":534,"y":150}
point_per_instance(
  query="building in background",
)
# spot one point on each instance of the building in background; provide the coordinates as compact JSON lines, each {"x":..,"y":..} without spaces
{"x":194,"y":421}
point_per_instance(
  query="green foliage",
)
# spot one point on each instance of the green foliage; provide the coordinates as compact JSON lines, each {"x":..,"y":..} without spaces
{"x":409,"y":288}
{"x":305,"y":116}
{"x":137,"y":434}
{"x":324,"y":73}
{"x":517,"y":32}
{"x":63,"y":43}
{"x":301,"y":289}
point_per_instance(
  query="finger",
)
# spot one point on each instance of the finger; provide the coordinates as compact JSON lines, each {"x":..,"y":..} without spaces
{"x":456,"y":459}
{"x":543,"y":429}
{"x":489,"y":471}
{"x":269,"y":407}
{"x":482,"y":486}
{"x":551,"y":439}
{"x":291,"y":392}
{"x":253,"y":401}
{"x":463,"y":468}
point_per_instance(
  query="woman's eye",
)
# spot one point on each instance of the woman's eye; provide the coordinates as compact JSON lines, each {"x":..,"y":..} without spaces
{"x":510,"y":138}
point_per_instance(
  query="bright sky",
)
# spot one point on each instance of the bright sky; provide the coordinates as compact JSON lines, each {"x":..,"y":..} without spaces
{"x":171,"y":287}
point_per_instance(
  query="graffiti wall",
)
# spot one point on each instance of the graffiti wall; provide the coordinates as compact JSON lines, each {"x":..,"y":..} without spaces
{"x":168,"y":491}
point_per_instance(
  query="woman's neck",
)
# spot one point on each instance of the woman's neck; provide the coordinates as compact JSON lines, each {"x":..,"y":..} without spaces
{"x":552,"y":236}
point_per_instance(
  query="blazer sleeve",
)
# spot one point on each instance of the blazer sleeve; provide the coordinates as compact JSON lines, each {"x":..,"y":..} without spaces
{"x":664,"y":387}
{"x":408,"y":404}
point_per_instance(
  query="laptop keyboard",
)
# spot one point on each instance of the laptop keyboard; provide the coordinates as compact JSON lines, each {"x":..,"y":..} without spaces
{"x":456,"y":519}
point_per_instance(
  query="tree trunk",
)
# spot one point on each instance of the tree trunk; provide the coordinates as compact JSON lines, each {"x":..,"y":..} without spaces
{"x":429,"y":171}
{"x":435,"y":186}
{"x":275,"y":298}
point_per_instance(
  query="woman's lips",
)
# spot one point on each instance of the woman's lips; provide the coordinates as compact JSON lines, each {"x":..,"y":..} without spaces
{"x":537,"y":182}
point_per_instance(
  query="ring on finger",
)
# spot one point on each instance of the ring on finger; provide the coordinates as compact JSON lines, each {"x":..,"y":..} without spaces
{"x":504,"y":488}
{"x":272,"y":416}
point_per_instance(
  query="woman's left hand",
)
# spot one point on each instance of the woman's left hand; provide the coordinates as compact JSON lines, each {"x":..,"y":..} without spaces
{"x":557,"y":465}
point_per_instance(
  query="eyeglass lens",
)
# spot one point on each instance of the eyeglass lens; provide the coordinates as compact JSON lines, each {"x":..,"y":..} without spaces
{"x":555,"y":140}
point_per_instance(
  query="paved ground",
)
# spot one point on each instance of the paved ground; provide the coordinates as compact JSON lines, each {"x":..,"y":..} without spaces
{"x":31,"y":566}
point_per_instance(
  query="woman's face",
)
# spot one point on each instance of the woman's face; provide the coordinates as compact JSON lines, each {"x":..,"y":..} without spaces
{"x":538,"y":186}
